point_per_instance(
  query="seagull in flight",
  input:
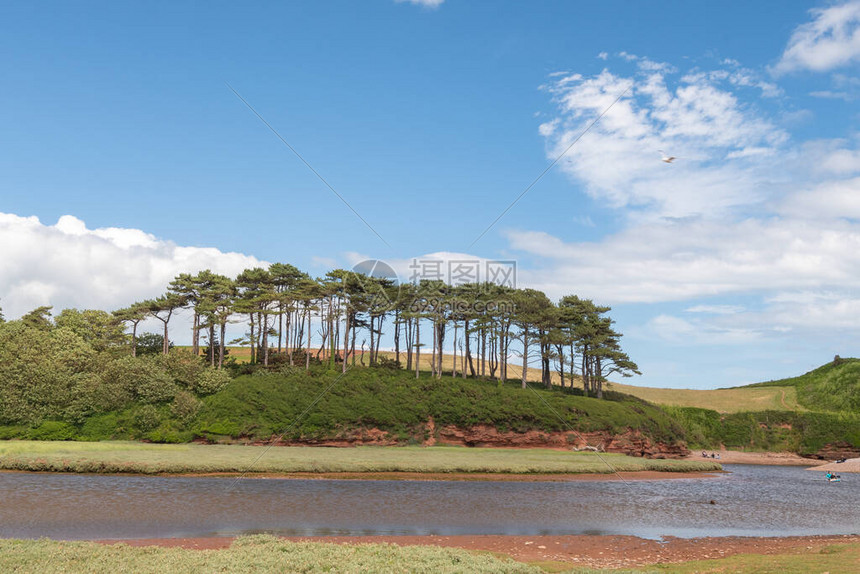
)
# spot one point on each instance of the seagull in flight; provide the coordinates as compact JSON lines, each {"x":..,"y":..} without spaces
{"x":666,"y":158}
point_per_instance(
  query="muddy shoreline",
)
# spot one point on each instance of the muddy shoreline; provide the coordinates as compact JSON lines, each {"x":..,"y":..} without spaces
{"x":461,"y":476}
{"x":575,"y":550}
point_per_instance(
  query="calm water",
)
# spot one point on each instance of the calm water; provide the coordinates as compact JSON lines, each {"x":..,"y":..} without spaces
{"x":752,"y":500}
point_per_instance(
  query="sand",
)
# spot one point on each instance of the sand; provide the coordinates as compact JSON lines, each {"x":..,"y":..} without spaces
{"x":768,"y":458}
{"x":850,"y":465}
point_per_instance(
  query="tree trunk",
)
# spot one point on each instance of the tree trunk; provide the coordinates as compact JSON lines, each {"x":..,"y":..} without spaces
{"x":287,"y":337}
{"x":354,"y":320}
{"x":195,"y":334}
{"x":221,"y":343}
{"x":468,"y":337}
{"x":397,"y":336}
{"x":409,"y":344}
{"x":454,"y":367}
{"x":560,"y":349}
{"x":211,"y":343}
{"x":417,"y":346}
{"x":253,"y":339}
{"x":280,"y":325}
{"x":264,"y":327}
{"x":525,"y":356}
{"x":308,"y":350}
{"x":345,"y":340}
{"x":372,"y":339}
{"x":134,"y":339}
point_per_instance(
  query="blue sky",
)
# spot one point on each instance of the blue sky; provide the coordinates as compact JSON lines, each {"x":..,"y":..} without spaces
{"x":126,"y":158}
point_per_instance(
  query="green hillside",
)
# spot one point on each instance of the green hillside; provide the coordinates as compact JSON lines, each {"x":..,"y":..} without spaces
{"x":736,"y":400}
{"x":395,"y":402}
{"x":831,"y":387}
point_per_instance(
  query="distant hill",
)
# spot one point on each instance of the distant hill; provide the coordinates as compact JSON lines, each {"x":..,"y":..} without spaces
{"x":833,"y":387}
{"x":736,"y":400}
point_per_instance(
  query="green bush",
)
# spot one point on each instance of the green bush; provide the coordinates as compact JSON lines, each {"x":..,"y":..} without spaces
{"x":185,"y":407}
{"x":52,"y":430}
{"x":146,"y":418}
{"x":209,"y":381}
{"x":13,"y":431}
{"x":101,"y":427}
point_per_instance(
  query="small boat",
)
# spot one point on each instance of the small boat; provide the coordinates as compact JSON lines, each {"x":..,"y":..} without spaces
{"x":833,"y":477}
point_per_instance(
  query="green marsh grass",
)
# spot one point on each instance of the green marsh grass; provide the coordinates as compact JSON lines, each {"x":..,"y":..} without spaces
{"x":264,"y":554}
{"x":258,"y":554}
{"x":143,"y":458}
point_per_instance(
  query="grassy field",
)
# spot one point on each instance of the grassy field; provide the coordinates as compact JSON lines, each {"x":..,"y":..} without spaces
{"x":262,"y":554}
{"x":741,"y":399}
{"x":198,"y":458}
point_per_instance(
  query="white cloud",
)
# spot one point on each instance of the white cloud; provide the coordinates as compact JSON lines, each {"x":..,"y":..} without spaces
{"x":68,"y":265}
{"x":715,"y":309}
{"x":833,"y":199}
{"x":688,"y":259}
{"x":326,"y":262}
{"x":830,"y":40}
{"x":680,"y":331}
{"x":698,"y":118}
{"x":423,"y":3}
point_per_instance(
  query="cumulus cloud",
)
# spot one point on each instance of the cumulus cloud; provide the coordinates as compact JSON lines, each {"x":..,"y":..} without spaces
{"x":743,"y":211}
{"x":696,"y":117}
{"x":689,"y":259}
{"x":68,"y":265}
{"x":830,"y":40}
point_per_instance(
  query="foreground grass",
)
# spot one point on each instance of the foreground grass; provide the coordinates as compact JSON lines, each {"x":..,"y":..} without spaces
{"x":262,"y":554}
{"x":133,"y":457}
{"x":247,"y":554}
{"x":833,"y":558}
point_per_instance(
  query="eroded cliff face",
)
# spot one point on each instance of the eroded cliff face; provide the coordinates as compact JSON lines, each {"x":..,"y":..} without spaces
{"x":632,"y":443}
{"x":837,"y":451}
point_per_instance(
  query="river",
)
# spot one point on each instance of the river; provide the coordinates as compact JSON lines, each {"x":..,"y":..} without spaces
{"x":748,"y":501}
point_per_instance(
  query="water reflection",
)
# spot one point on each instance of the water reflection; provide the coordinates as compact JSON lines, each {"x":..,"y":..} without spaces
{"x":751,"y":501}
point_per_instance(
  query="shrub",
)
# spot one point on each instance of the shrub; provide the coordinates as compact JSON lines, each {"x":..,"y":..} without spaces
{"x":185,"y":407}
{"x":146,"y":418}
{"x":52,"y":430}
{"x":209,"y":381}
{"x":100,"y":427}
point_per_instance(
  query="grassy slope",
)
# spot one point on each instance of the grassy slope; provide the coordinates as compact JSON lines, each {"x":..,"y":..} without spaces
{"x":741,"y":399}
{"x":394,"y":401}
{"x":197,"y":458}
{"x":828,"y":403}
{"x":831,"y":387}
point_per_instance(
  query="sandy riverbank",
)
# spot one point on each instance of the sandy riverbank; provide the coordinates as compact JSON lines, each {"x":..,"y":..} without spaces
{"x":768,"y":458}
{"x":576,"y":551}
{"x":850,"y":465}
{"x":465,"y":476}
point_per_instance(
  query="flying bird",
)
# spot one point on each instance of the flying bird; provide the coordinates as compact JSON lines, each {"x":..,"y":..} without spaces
{"x":667,"y":158}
